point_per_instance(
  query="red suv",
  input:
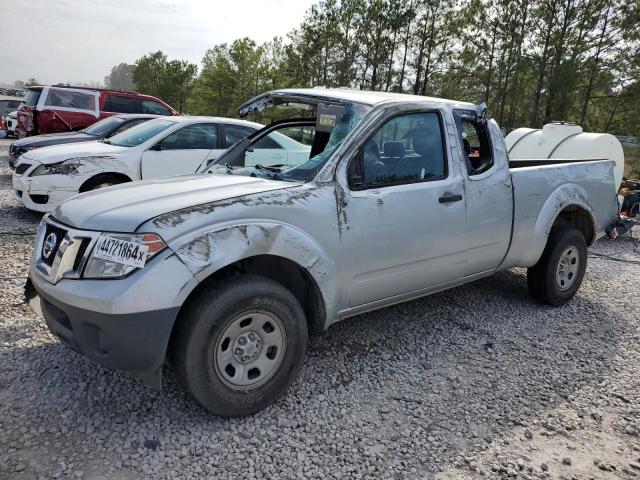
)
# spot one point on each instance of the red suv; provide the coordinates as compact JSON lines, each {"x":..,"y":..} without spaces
{"x":51,"y":109}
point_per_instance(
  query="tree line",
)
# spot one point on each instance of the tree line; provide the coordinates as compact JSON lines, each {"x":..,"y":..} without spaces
{"x":532,"y":61}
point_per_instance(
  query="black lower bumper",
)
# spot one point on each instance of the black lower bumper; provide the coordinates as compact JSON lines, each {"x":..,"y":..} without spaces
{"x":133,"y":342}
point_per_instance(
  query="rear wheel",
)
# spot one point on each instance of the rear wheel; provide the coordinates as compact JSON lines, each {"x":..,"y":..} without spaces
{"x":239,"y":345}
{"x":557,"y":276}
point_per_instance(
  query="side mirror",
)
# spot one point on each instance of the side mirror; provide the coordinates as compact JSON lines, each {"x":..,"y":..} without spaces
{"x":157,"y":147}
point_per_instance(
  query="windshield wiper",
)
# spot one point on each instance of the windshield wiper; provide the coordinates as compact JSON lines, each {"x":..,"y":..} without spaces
{"x":104,"y":140}
{"x":271,"y":171}
{"x":270,"y":168}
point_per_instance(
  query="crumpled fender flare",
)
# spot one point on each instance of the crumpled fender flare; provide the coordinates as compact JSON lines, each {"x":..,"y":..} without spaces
{"x":206,"y":252}
{"x":565,"y":195}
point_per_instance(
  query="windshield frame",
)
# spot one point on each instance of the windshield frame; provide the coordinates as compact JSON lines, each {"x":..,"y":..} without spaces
{"x":236,"y":152}
{"x":142,"y":126}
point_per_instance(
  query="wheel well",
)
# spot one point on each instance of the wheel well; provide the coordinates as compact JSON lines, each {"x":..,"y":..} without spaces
{"x":577,"y":217}
{"x":121,"y":177}
{"x":284,"y":271}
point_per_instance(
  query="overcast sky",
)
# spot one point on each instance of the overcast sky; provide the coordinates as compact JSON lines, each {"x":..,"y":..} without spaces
{"x":80,"y":40}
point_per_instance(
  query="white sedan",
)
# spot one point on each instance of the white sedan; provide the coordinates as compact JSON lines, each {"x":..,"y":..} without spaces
{"x":162,"y":147}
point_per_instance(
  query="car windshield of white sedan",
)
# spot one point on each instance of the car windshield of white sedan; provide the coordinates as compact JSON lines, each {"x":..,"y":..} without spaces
{"x":140,"y":133}
{"x":104,"y":126}
{"x":285,"y":153}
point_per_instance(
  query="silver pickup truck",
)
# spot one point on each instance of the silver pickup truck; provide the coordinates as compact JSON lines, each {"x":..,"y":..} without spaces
{"x":226,"y":274}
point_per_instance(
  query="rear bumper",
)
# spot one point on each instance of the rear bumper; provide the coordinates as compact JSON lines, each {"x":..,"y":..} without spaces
{"x":132,"y":342}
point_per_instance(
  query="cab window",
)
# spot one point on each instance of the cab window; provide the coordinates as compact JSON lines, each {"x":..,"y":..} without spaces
{"x":406,"y":149}
{"x":476,"y":143}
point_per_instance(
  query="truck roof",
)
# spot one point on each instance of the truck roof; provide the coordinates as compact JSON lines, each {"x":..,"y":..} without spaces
{"x":365,"y":96}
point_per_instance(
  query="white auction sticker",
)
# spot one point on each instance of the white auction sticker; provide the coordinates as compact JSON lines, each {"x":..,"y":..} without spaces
{"x":121,"y":251}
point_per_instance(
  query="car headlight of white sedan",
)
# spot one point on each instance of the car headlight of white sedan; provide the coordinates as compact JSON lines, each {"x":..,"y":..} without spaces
{"x":67,"y":167}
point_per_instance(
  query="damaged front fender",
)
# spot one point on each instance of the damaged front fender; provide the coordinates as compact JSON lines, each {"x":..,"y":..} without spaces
{"x":207,"y":252}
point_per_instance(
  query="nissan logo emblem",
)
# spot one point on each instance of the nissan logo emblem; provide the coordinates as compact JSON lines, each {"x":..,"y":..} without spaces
{"x":49,"y":245}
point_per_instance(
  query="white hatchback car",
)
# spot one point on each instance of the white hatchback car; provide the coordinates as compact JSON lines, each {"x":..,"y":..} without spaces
{"x":162,"y":147}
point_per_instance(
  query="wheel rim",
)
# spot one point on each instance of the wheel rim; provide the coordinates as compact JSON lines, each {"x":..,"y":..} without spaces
{"x":567,"y":270}
{"x":250,"y":350}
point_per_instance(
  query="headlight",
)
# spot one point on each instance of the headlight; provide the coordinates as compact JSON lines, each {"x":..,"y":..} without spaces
{"x":120,"y":248}
{"x":61,"y":168}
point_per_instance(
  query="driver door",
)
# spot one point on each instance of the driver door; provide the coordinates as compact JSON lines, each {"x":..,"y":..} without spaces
{"x":181,"y":152}
{"x":404,"y":213}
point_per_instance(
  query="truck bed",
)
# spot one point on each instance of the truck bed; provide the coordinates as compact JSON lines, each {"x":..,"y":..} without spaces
{"x":543,"y":188}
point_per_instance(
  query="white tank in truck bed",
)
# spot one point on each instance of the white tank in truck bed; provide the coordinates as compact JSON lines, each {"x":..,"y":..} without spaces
{"x":565,"y":141}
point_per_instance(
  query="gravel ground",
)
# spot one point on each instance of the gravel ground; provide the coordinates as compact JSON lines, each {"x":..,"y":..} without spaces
{"x":477,"y":382}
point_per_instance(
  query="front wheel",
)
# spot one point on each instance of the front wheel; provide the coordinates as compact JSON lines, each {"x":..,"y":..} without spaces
{"x":557,"y":276}
{"x":239,"y":345}
{"x":101,"y":181}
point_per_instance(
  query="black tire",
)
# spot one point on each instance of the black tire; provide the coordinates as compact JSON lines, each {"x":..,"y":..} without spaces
{"x":543,"y":278}
{"x":199,"y":337}
{"x":101,"y":181}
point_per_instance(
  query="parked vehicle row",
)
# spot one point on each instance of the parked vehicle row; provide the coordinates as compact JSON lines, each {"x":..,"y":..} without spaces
{"x":159,"y":147}
{"x":226,"y":272}
{"x":104,"y":128}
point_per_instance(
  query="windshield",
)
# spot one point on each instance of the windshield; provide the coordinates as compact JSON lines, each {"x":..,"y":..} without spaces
{"x":297,"y":149}
{"x":104,"y":127}
{"x":140,"y":133}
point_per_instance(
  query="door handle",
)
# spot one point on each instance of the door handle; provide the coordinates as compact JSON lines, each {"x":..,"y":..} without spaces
{"x":447,"y":198}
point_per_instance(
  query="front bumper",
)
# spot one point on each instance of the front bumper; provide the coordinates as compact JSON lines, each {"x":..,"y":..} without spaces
{"x":37,"y":198}
{"x":133,"y":342}
{"x":124,"y":324}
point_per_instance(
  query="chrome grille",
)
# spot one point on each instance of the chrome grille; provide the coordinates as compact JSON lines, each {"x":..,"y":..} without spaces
{"x":69,"y":250}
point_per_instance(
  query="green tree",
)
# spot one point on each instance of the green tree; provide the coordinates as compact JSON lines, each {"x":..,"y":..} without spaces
{"x":120,"y":77}
{"x":170,"y":80}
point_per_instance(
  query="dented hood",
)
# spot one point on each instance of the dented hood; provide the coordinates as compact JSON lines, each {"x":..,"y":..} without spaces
{"x":122,"y":208}
{"x":60,"y":153}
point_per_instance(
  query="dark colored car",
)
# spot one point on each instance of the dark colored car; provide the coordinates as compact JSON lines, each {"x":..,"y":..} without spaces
{"x":104,"y":128}
{"x":9,"y":104}
{"x":53,"y":109}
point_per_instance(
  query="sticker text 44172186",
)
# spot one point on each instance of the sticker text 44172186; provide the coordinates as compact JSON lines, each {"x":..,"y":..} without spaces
{"x":121,"y":251}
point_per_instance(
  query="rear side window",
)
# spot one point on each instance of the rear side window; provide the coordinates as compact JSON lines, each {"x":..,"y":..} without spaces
{"x":476,"y":143}
{"x":233,"y":133}
{"x":70,"y":99}
{"x":120,"y":104}
{"x":199,"y":136}
{"x":149,"y":106}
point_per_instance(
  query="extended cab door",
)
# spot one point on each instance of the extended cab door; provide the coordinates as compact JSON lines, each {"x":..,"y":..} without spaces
{"x":488,"y":189}
{"x":402,"y":210}
{"x":181,"y":152}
